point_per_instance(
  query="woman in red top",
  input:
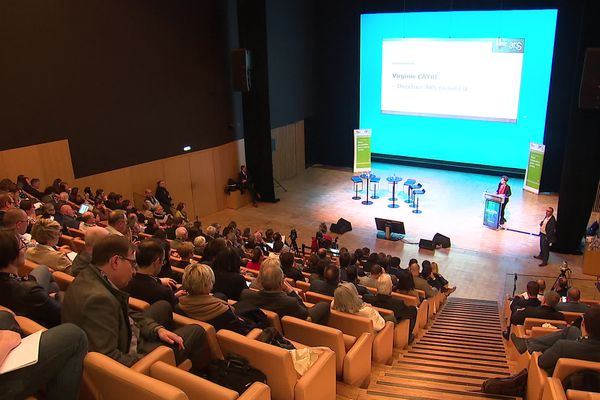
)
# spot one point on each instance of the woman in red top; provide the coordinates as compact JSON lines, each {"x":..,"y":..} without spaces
{"x":254,"y":263}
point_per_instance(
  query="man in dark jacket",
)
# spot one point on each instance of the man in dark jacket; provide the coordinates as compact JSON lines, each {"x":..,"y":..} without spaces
{"x":547,"y":236}
{"x":531,"y":300}
{"x":289,"y":268}
{"x":331,"y":279}
{"x":546,"y":311}
{"x":95,"y":302}
{"x":278,"y":296}
{"x":384,"y":299}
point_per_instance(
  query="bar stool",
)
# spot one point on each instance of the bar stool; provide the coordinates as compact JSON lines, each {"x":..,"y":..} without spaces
{"x":375,"y":181}
{"x":412,"y":188}
{"x":408,"y":183}
{"x":415,"y":194}
{"x":356,"y":180}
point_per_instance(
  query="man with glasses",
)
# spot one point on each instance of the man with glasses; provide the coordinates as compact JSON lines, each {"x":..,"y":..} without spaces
{"x":6,"y":203}
{"x":96,"y":303}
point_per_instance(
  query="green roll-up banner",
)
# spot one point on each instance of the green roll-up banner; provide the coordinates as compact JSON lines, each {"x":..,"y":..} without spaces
{"x":533,"y":176}
{"x":362,"y":150}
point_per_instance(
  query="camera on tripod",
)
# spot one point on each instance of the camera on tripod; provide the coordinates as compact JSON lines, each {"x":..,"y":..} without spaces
{"x":564,"y":269}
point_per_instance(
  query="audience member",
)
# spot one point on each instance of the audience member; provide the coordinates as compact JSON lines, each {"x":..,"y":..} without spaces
{"x":198,"y":281}
{"x":88,"y":220}
{"x":384,"y":299}
{"x":59,"y":365}
{"x":29,"y":207}
{"x":278,"y":296}
{"x":331,"y":279}
{"x":180,"y":211}
{"x":96,"y":303}
{"x":47,"y":234}
{"x":346,"y":299}
{"x":145,"y":285}
{"x":33,"y":188}
{"x":255,"y":259}
{"x":406,"y":284}
{"x":162,"y":195}
{"x":572,"y":304}
{"x":420,"y":283}
{"x":117,"y":223}
{"x":352,"y":277}
{"x":66,"y":217}
{"x":228,"y":280}
{"x":100,"y":210}
{"x":289,"y":267}
{"x":199,"y":245}
{"x":27,"y":296}
{"x":434,"y":280}
{"x":83,"y":260}
{"x":150,"y":201}
{"x":6,"y":203}
{"x":546,"y":311}
{"x":530,"y":300}
{"x":185,"y":251}
{"x":563,"y":286}
{"x":370,"y":280}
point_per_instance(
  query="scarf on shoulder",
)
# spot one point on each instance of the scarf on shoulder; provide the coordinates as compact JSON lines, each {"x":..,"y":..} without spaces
{"x":202,"y":307}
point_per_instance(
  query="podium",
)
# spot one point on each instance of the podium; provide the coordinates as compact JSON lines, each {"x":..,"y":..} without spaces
{"x":491,"y":210}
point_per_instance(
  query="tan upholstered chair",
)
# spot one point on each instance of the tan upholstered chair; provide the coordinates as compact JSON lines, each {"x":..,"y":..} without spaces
{"x":304,"y":286}
{"x":107,"y":379}
{"x":79,"y":244}
{"x":354,"y":325}
{"x":570,"y":316}
{"x":318,"y":383}
{"x":352,"y":354}
{"x":421,"y":309}
{"x":537,"y":377}
{"x":76,"y":233}
{"x":553,"y":390}
{"x":211,"y":335}
{"x":63,"y":280}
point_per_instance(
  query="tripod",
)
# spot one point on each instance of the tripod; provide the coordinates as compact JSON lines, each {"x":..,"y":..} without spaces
{"x":565,"y":272}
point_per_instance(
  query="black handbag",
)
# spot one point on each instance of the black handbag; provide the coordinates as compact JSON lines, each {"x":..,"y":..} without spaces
{"x":513,"y":385}
{"x":235,"y":373}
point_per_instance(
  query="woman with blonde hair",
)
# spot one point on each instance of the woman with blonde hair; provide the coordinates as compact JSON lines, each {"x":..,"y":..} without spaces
{"x":46,"y":233}
{"x":200,"y":304}
{"x":346,"y":299}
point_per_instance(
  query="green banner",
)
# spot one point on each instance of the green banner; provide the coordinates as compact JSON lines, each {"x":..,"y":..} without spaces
{"x":362,"y":150}
{"x":533,"y":176}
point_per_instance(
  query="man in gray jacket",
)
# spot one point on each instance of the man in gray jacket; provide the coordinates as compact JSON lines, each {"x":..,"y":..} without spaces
{"x":96,"y":303}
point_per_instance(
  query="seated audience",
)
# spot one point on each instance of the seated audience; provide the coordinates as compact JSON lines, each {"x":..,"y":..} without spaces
{"x":83,"y":260}
{"x":289,"y":267}
{"x":6,"y":203}
{"x":420,"y":283}
{"x":352,"y":277}
{"x":185,"y":251}
{"x":199,"y":245}
{"x":255,"y":259}
{"x":565,"y":343}
{"x":546,"y":311}
{"x":145,"y":285}
{"x":384,"y":299}
{"x":394,"y":267}
{"x":59,"y":365}
{"x":150,"y":201}
{"x":96,"y":303}
{"x":406,"y":284}
{"x":29,"y":208}
{"x":530,"y":300}
{"x":563,"y":286}
{"x":15,"y":221}
{"x":47,"y":234}
{"x":100,"y":210}
{"x":88,"y":220}
{"x":346,"y":299}
{"x":66,"y":217}
{"x":331,"y":279}
{"x":370,"y":280}
{"x":200,"y":304}
{"x":117,"y":223}
{"x":27,"y":296}
{"x":572,"y":304}
{"x":228,"y":280}
{"x":435,"y":280}
{"x":180,"y":211}
{"x":278,"y":296}
{"x":33,"y":188}
{"x":345,"y":259}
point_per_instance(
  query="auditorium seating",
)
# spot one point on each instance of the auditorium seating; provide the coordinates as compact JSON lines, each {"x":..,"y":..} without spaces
{"x":352,"y":354}
{"x":318,"y":383}
{"x":537,"y":378}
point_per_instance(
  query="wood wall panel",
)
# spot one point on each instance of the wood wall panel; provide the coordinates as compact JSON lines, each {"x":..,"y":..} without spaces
{"x":288,"y":156}
{"x":196,"y":178}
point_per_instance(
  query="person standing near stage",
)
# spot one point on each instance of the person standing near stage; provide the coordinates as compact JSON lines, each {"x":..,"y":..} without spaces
{"x":504,"y":189}
{"x":547,"y":236}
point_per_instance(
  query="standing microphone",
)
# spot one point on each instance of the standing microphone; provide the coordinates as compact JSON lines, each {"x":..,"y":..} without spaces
{"x":514,"y":285}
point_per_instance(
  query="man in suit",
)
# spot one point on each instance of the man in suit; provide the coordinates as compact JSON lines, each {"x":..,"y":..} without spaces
{"x":278,"y":296}
{"x":421,"y":283}
{"x":566,"y":343}
{"x":331,"y":279}
{"x":572,"y":304}
{"x":546,"y":311}
{"x":384,"y":299}
{"x":96,"y":303}
{"x":547,"y":236}
{"x":531,"y":300}
{"x":503,"y":189}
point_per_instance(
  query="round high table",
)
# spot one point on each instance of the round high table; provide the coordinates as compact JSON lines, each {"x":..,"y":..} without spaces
{"x":394,"y":180}
{"x":367,"y":177}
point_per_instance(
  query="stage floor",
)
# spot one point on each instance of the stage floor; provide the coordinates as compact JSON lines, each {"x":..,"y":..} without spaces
{"x":480,"y":259}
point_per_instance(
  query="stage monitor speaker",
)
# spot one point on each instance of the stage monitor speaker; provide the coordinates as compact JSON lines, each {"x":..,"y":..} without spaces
{"x":241,"y":70}
{"x":589,"y":91}
{"x":426,"y":244}
{"x":342,"y":226}
{"x":440,"y":240}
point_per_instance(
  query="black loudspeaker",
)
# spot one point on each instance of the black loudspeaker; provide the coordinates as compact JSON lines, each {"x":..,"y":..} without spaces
{"x":589,"y":91}
{"x":426,"y":244}
{"x":241,"y":69}
{"x":440,"y":240}
{"x":342,"y":226}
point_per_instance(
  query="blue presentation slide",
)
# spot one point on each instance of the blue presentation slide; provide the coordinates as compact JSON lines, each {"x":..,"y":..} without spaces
{"x":462,"y":86}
